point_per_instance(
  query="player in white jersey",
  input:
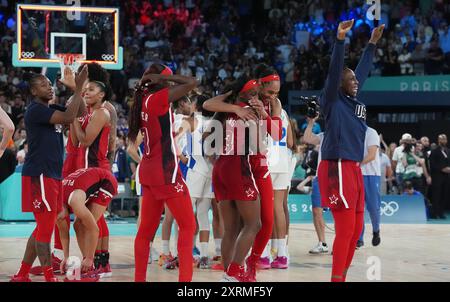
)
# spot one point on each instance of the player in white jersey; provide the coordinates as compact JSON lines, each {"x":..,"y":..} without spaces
{"x":319,"y":223}
{"x":279,"y":160}
{"x":199,"y":175}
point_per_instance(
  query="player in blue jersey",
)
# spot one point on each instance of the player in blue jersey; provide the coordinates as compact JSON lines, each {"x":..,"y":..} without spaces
{"x":340,"y":179}
{"x":41,"y":174}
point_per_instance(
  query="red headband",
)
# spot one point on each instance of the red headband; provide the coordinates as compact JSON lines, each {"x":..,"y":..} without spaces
{"x":270,"y":78}
{"x":249,"y":85}
{"x":166,"y":71}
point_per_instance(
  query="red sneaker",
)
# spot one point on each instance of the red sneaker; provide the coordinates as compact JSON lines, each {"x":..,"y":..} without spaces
{"x":56,"y":264}
{"x":36,"y":270}
{"x":17,"y":278}
{"x":239,"y":276}
{"x":251,"y":269}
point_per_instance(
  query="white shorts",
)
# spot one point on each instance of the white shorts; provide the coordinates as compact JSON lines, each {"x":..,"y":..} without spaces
{"x":280,"y":181}
{"x":138,"y":183}
{"x":199,"y":185}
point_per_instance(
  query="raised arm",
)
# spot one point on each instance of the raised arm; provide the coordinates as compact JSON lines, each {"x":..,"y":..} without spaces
{"x":366,"y":62}
{"x":67,"y":117}
{"x":98,"y":120}
{"x":184,"y":84}
{"x":333,"y":80}
{"x":218,"y":104}
{"x":8,"y":130}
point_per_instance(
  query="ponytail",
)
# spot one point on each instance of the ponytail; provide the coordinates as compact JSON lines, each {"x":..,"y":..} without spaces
{"x":134,"y":121}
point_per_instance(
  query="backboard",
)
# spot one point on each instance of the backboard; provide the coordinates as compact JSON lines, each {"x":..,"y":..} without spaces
{"x":44,"y":31}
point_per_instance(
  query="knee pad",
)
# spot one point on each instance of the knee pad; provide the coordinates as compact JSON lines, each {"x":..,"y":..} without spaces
{"x":203,"y":207}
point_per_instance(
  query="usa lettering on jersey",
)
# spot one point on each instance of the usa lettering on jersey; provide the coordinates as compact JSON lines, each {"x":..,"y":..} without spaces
{"x":360,"y":112}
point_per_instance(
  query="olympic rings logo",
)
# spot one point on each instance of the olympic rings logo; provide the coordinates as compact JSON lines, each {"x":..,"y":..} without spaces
{"x":389,"y":209}
{"x":107,"y":57}
{"x":28,"y":55}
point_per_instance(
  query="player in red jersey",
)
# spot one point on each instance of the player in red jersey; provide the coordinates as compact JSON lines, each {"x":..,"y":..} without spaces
{"x":159,"y":171}
{"x":87,"y":192}
{"x":233,"y":178}
{"x":41,"y":174}
{"x":93,"y":135}
{"x":268,"y":110}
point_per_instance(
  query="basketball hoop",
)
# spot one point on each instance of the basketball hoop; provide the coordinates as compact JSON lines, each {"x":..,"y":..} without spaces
{"x":69,"y":60}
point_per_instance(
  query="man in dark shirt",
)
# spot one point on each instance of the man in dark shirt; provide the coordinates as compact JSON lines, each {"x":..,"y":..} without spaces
{"x":440,"y":175}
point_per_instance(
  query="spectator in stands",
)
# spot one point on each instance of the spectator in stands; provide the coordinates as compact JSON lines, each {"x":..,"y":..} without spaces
{"x":121,"y":168}
{"x":444,"y":41}
{"x":435,"y":59}
{"x":410,"y":191}
{"x":22,"y":154}
{"x":397,"y":165}
{"x":405,"y":62}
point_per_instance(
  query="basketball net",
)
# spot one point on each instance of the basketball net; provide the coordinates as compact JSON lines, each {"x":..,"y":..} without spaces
{"x":69,"y":60}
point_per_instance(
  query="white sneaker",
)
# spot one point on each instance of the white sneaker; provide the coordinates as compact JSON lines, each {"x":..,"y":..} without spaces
{"x":226,"y":278}
{"x":319,"y":249}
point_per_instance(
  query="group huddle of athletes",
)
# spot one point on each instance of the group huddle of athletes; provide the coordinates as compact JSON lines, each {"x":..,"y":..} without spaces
{"x":245,"y":186}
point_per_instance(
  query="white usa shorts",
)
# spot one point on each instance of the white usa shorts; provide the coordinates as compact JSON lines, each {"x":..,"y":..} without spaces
{"x":138,"y":183}
{"x":281,"y":181}
{"x":199,"y":185}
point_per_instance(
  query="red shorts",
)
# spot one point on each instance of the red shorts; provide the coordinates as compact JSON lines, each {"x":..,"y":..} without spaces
{"x":177,"y":190}
{"x":341,"y":185}
{"x":41,"y":194}
{"x":259,"y":166}
{"x":233,"y":179}
{"x":99,"y":185}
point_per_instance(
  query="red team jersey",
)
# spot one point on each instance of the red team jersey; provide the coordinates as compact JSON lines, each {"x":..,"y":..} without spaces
{"x":96,"y":155}
{"x":72,"y":162}
{"x":159,"y":168}
{"x":232,"y":175}
{"x":99,"y":185}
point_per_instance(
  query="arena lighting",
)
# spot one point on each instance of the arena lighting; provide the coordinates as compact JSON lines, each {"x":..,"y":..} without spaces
{"x":21,"y":7}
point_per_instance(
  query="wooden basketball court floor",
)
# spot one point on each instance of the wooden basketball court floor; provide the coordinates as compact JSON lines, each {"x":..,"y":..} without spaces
{"x":407,"y":253}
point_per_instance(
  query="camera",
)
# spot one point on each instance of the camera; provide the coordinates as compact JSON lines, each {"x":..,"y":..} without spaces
{"x":310,"y":106}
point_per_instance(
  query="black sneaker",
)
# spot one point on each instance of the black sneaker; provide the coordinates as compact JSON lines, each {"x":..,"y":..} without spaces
{"x":359,"y":244}
{"x":376,"y":238}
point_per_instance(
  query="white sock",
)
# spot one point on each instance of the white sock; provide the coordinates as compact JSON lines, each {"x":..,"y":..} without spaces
{"x":282,"y":248}
{"x":266,"y":252}
{"x":166,"y":247}
{"x":58,"y":253}
{"x":275,"y":244}
{"x":218,"y":243}
{"x":203,"y":249}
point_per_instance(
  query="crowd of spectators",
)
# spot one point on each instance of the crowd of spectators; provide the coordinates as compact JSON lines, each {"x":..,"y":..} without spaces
{"x":217,"y":41}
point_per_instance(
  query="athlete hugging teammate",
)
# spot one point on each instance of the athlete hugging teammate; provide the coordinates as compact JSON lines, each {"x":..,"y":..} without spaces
{"x":339,"y":173}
